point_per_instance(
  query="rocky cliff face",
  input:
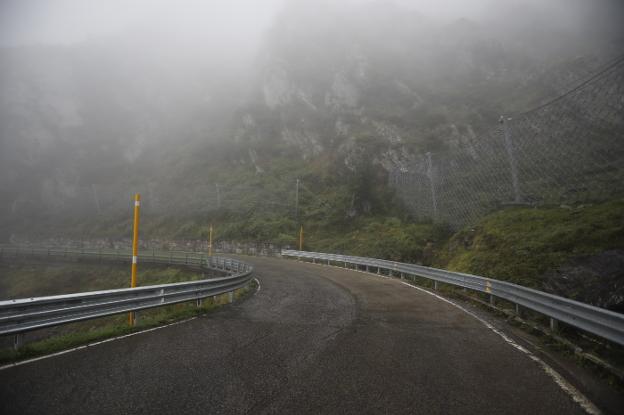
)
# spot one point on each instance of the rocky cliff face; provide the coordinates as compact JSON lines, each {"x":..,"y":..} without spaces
{"x":408,"y":83}
{"x":593,"y":279}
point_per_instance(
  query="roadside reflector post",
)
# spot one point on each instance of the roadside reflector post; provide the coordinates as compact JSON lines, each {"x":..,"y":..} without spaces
{"x":488,"y":290}
{"x":18,"y":341}
{"x":135,"y":252}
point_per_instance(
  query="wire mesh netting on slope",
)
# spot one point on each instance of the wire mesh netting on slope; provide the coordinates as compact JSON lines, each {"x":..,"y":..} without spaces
{"x":567,"y":151}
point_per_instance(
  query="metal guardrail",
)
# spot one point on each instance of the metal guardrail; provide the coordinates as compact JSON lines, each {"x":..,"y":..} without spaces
{"x":22,"y":315}
{"x":598,"y":321}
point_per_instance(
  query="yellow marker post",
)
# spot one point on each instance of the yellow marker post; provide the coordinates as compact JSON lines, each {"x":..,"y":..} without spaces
{"x":135,"y":250}
{"x":301,"y":238}
{"x":210,"y":241}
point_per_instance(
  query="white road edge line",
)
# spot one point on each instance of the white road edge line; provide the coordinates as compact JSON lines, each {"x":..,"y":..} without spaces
{"x":62,"y":352}
{"x":567,"y":387}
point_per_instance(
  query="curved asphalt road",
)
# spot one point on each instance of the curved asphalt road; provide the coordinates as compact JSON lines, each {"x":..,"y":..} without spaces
{"x":314,"y":340}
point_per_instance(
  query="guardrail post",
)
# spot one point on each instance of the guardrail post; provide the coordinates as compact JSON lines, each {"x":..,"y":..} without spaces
{"x":492,"y":300}
{"x":554,"y":325}
{"x":519,"y":311}
{"x":18,"y":341}
{"x":199,"y":302}
{"x":231,"y":297}
{"x":435,"y":285}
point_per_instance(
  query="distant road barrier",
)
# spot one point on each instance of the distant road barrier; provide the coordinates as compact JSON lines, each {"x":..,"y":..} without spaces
{"x":22,"y":315}
{"x":598,"y":321}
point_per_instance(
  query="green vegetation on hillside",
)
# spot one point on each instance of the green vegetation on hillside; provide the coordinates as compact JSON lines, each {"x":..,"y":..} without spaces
{"x":388,"y":238}
{"x":521,"y":244}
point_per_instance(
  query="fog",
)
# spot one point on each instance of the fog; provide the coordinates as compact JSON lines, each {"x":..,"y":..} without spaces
{"x":72,"y":21}
{"x":100,"y":98}
{"x":245,"y":21}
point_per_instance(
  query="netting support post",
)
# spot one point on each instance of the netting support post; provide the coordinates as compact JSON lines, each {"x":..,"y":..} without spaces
{"x":513,"y":165}
{"x":434,"y":202}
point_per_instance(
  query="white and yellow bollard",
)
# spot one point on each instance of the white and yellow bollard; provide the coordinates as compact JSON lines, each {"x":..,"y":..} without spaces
{"x":135,"y":252}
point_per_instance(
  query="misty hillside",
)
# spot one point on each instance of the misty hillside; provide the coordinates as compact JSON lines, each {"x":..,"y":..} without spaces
{"x":336,"y":95}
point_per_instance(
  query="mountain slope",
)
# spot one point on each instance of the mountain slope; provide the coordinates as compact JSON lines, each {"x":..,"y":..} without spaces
{"x":337,"y":96}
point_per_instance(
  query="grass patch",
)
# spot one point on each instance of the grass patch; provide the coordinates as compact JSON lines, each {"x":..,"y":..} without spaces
{"x":34,"y":279}
{"x":521,"y":244}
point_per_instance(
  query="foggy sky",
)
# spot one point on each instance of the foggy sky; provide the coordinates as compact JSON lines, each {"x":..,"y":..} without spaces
{"x":70,"y":21}
{"x":227,"y":21}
